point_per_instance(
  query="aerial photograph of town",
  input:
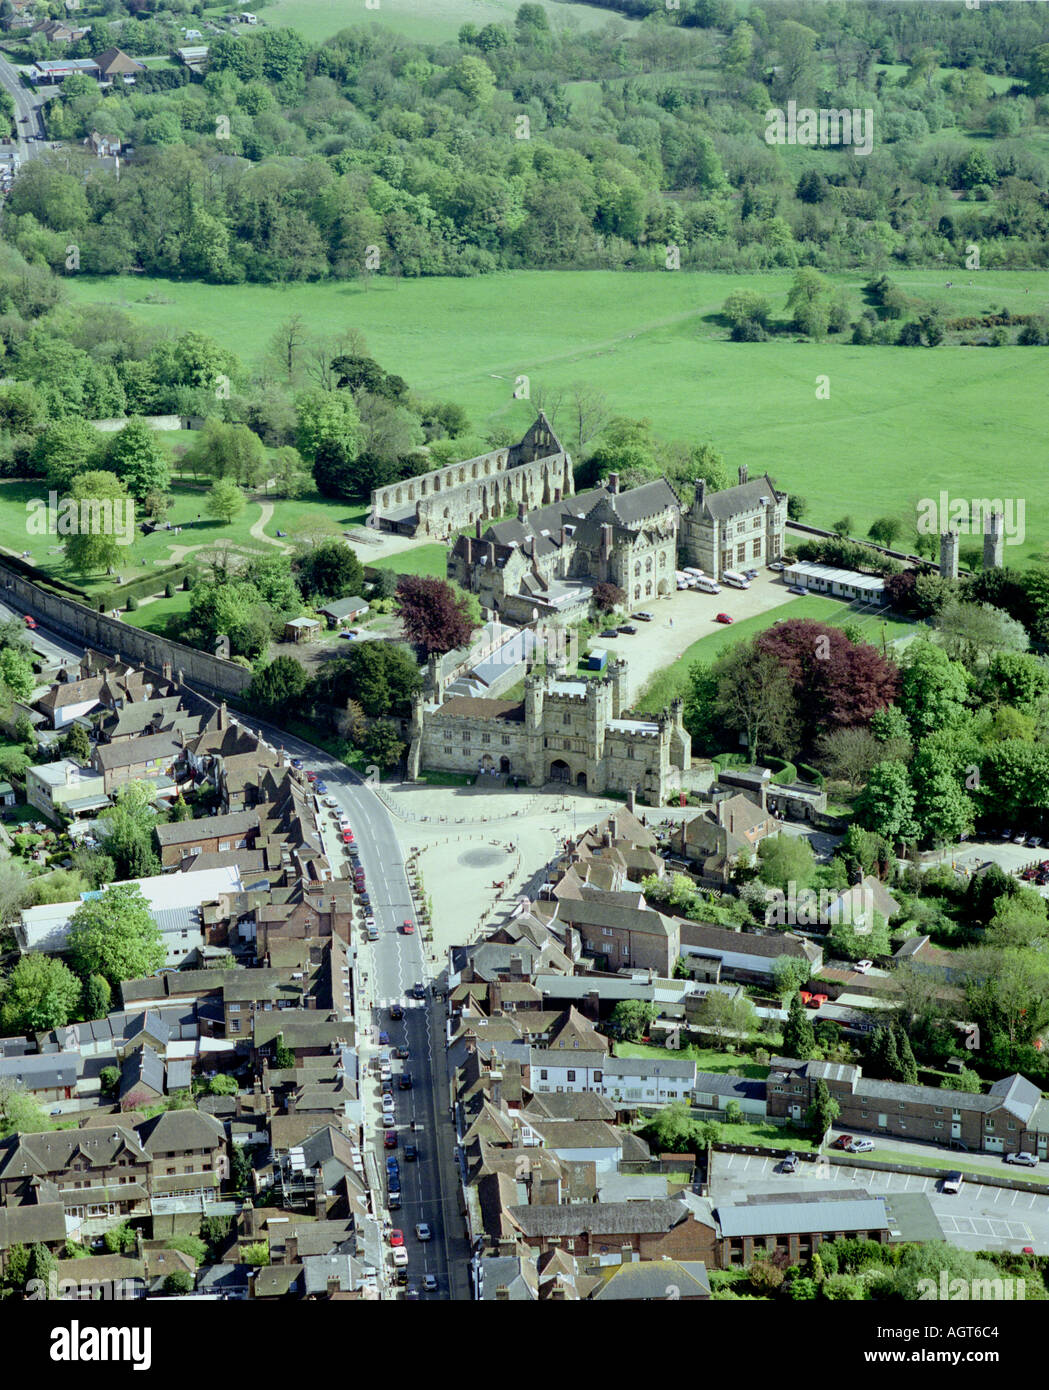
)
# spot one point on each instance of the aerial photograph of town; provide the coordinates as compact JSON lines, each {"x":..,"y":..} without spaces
{"x":524,"y":667}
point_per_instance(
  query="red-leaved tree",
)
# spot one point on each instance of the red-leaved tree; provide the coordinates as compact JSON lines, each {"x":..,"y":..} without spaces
{"x":434,"y":616}
{"x":837,"y":683}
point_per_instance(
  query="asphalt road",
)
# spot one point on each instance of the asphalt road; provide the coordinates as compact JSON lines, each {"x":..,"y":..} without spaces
{"x":27,"y":108}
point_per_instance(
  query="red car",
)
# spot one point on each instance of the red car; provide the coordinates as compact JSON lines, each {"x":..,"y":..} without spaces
{"x":817,"y":1001}
{"x":311,"y":777}
{"x":805,"y":995}
{"x":724,"y":618}
{"x":347,"y":837}
{"x":842,"y":1142}
{"x":396,"y":1237}
{"x":29,"y":622}
{"x":389,"y":1139}
{"x":409,"y":927}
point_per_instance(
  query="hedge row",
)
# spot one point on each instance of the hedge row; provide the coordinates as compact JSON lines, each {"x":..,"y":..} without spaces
{"x":145,"y":587}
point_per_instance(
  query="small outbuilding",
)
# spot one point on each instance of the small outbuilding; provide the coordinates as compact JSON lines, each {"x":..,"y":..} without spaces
{"x":341,"y":611}
{"x":301,"y":630}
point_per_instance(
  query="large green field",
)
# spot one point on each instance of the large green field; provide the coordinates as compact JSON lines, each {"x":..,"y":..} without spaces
{"x":423,"y":21}
{"x":898,"y":424}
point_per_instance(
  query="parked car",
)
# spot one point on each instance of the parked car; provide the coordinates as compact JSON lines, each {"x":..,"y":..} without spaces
{"x":842,"y":1142}
{"x":400,"y":1259}
{"x":861,"y":1146}
{"x":1022,"y":1160}
{"x":329,"y":800}
{"x":393,"y":1199}
{"x":1007,"y":834}
{"x":311,"y":777}
{"x":610,"y":632}
{"x":789,"y":1164}
{"x":723,"y":618}
{"x":642,"y":617}
{"x":392,"y":1166}
{"x":628,"y":630}
{"x":423,"y":1232}
{"x":816,"y":1001}
{"x":384,"y":1039}
{"x":1019,"y":839}
{"x":750,"y":574}
{"x":951,"y":1184}
{"x":862,"y":966}
{"x":396,"y":1237}
{"x":389,"y":1139}
{"x":296,"y":762}
{"x":321,"y":787}
{"x":29,"y":622}
{"x":388,"y":1119}
{"x":1034,"y":841}
{"x":777,"y":565}
{"x":797,"y":589}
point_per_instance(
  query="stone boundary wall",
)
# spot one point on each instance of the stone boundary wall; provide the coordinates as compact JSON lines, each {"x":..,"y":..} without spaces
{"x":84,"y":626}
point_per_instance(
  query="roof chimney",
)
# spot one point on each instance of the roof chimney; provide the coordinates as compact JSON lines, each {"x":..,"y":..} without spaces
{"x":631,"y":800}
{"x":606,"y":541}
{"x":701,"y":491}
{"x":477,"y":529}
{"x":522,"y":511}
{"x":613,"y":827}
{"x":223,"y":715}
{"x":742,"y":474}
{"x":613,"y":482}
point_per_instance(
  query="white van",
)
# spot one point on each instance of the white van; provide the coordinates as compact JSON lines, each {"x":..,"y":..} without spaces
{"x":707,"y":586}
{"x":736,"y":581}
{"x":694,"y":571}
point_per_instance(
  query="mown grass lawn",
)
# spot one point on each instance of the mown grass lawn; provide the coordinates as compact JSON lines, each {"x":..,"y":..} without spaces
{"x":899,"y":424}
{"x":431,"y":560}
{"x":422,"y":21}
{"x":673,"y":679}
{"x":705,"y":1058}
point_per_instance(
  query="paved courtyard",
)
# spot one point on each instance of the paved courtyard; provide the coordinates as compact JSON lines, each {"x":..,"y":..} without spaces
{"x":683,"y":618}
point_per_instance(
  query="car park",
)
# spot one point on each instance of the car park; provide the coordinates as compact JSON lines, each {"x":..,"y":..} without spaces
{"x":1022,"y":1160}
{"x":423,"y":1232}
{"x":723,"y":618}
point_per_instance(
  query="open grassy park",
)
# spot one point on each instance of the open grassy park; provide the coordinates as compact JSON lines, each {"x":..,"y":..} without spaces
{"x":898,"y":424}
{"x":422,"y":21}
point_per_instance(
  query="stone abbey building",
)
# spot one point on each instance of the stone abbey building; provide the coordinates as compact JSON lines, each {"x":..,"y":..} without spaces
{"x":543,"y":563}
{"x":527,"y":475}
{"x":564,"y":730}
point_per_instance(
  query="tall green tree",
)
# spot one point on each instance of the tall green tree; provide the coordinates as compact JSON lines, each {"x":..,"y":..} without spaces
{"x":799,"y":1036}
{"x":40,"y":993}
{"x":115,"y":936}
{"x":138,"y":460}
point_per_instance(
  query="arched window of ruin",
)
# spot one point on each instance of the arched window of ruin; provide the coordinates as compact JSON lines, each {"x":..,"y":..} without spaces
{"x":437,"y":483}
{"x":425,"y":487}
{"x":637,"y":568}
{"x":648,"y":588}
{"x":637,"y":590}
{"x":474,"y":470}
{"x":462,"y":475}
{"x":397,"y":496}
{"x":411,"y":492}
{"x":662,"y":559}
{"x":648,"y":565}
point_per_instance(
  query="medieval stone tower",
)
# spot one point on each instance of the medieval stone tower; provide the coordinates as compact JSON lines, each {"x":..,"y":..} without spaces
{"x":949,"y":554}
{"x":993,"y":541}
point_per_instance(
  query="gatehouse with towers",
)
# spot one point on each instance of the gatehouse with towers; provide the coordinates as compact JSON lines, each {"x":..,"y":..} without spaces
{"x":570,"y":731}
